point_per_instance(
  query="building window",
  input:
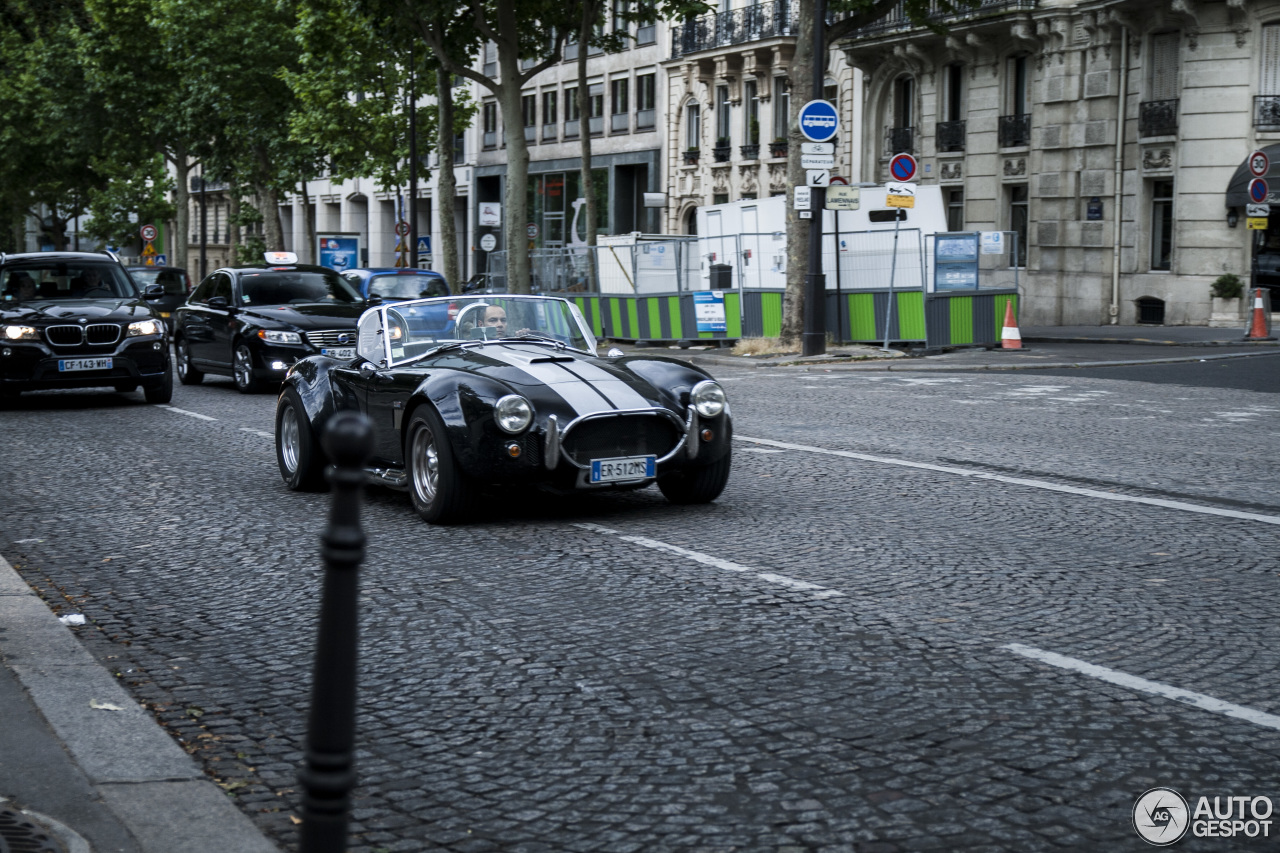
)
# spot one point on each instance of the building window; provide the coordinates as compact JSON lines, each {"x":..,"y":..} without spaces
{"x":595,"y":103}
{"x":490,"y":59}
{"x":751,"y":113}
{"x":692,"y":127}
{"x":1016,"y":82}
{"x":955,"y":210}
{"x":722,"y":116}
{"x":620,"y":10}
{"x":1018,"y":220}
{"x":1161,"y":225}
{"x":459,"y":148}
{"x":646,"y":100}
{"x":1267,"y":103}
{"x":1158,"y":114}
{"x":490,"y":112}
{"x":720,"y":198}
{"x":781,"y":107}
{"x":902,"y":131}
{"x":549,"y":114}
{"x":620,"y":119}
{"x":647,"y":32}
{"x":953,"y":84}
{"x":529,"y":110}
{"x":571,"y":112}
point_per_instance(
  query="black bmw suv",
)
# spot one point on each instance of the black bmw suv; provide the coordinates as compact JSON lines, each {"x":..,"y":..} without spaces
{"x":252,"y":323}
{"x":77,"y":320}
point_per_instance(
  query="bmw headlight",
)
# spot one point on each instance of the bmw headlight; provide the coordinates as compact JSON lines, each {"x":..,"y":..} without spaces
{"x":144,"y":327}
{"x":280,"y":337}
{"x":707,"y":398}
{"x":513,"y":413}
{"x":21,"y":333}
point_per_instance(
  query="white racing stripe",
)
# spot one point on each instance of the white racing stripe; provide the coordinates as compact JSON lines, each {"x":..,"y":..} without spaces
{"x":1133,"y":682}
{"x":572,"y":390}
{"x":1022,"y":481}
{"x":716,"y":562}
{"x":185,"y":412}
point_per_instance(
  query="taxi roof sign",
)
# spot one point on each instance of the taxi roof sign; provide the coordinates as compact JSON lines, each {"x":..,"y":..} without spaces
{"x":281,"y":257}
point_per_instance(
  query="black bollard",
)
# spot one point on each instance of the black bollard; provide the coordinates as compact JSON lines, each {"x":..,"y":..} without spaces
{"x":329,"y":772}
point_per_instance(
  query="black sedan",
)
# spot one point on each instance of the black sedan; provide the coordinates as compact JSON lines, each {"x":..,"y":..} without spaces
{"x":176,"y":284}
{"x":468,"y":392}
{"x":77,"y":320}
{"x":253,"y":323}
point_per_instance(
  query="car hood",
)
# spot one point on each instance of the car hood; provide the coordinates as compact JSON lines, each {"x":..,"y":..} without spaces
{"x":71,"y":310}
{"x":311,"y":316}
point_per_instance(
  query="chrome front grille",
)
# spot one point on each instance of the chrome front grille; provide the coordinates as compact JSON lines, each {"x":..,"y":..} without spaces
{"x":625,"y":435}
{"x":331,"y":338}
{"x":102,"y":333}
{"x":64,"y":336}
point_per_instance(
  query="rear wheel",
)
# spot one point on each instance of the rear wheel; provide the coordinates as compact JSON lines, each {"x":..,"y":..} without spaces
{"x":441,"y":492}
{"x":697,"y":485}
{"x":161,"y":392}
{"x":187,"y":374}
{"x":297,"y":451}
{"x":242,"y":369}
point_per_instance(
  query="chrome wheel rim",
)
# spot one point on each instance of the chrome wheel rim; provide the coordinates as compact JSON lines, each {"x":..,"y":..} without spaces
{"x":290,"y":439}
{"x":243,"y":368}
{"x":183,"y":364}
{"x":426,"y":465}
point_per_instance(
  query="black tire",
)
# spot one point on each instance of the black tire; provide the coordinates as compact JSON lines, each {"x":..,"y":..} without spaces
{"x":298,"y":452}
{"x":445,"y":495}
{"x":697,"y":485}
{"x":161,"y":392}
{"x":187,"y":373}
{"x":242,"y":370}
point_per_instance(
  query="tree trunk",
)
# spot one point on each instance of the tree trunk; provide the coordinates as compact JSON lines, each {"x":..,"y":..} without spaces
{"x":233,"y":228}
{"x":446,"y":182}
{"x":272,"y":229}
{"x":801,"y":75}
{"x":516,"y":199}
{"x":182,"y":201}
{"x":308,"y":253}
{"x":590,"y":11}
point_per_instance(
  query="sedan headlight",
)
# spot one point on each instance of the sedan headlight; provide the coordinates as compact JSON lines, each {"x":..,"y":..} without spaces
{"x":144,"y":327}
{"x":513,"y":413}
{"x":707,"y":398}
{"x":21,"y":333}
{"x":280,"y":337}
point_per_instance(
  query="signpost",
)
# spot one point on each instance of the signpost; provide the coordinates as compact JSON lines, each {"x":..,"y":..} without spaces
{"x":843,"y":198}
{"x":1258,"y":190}
{"x":424,"y":245}
{"x":1259,"y":163}
{"x":402,"y":246}
{"x":1257,"y":210}
{"x":817,"y":177}
{"x":819,"y":122}
{"x":149,"y":232}
{"x":902,"y":167}
{"x":900,"y":195}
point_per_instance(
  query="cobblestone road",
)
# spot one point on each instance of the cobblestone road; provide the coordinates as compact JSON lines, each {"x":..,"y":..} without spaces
{"x":819,"y":661}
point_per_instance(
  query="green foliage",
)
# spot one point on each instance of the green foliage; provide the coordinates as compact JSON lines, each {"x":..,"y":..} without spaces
{"x":130,"y":196}
{"x":1227,"y":286}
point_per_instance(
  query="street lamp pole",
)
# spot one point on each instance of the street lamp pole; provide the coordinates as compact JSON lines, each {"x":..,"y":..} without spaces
{"x":413,"y":162}
{"x":814,"y":341}
{"x":204,"y":228}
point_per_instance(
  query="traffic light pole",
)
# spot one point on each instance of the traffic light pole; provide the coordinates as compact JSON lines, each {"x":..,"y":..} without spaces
{"x":814,"y":341}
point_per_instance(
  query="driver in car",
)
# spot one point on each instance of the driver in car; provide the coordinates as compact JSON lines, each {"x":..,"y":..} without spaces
{"x":495,"y":321}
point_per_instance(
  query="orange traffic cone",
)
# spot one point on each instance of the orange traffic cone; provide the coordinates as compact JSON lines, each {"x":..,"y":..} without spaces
{"x":1258,"y":329}
{"x":1010,"y":337}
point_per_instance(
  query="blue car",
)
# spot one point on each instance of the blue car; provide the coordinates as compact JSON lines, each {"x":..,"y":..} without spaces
{"x":397,"y":285}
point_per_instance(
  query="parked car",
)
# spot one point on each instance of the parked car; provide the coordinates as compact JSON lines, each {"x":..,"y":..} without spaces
{"x":77,"y":320}
{"x":176,"y":283}
{"x":253,"y":322}
{"x":394,"y":285}
{"x":508,"y":390}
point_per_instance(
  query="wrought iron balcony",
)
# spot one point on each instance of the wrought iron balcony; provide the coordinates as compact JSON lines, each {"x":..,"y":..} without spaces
{"x":950,"y":135}
{"x":1015,"y":131}
{"x":722,"y":153}
{"x":750,"y":152}
{"x":1158,"y":118}
{"x":1266,"y":112}
{"x":764,"y":20}
{"x":691,"y":157}
{"x":897,"y":20}
{"x":898,"y":140}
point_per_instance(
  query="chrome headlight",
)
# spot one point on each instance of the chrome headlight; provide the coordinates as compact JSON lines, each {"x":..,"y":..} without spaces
{"x":280,"y":337}
{"x":21,"y":333}
{"x":707,"y":398}
{"x":513,"y":413}
{"x":144,"y":327}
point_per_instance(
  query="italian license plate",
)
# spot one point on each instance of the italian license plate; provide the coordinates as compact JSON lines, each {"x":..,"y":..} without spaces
{"x":66,"y":365}
{"x":623,"y":469}
{"x":339,"y":352}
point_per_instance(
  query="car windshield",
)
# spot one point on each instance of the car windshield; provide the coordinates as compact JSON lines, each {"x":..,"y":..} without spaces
{"x":171,"y":279}
{"x":407,"y":286}
{"x":294,"y":287}
{"x":39,"y":281}
{"x":419,"y":326}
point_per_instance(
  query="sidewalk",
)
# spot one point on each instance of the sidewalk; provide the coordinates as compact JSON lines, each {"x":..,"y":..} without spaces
{"x":83,"y":768}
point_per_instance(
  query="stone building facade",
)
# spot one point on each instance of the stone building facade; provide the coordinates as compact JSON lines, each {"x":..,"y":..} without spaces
{"x":1104,"y":133}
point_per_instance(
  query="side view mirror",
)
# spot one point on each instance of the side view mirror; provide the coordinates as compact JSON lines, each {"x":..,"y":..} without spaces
{"x":374,"y":299}
{"x":217,"y":302}
{"x":153,"y":291}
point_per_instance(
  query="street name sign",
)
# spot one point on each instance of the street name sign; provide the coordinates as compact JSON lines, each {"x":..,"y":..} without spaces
{"x":843,"y":198}
{"x":817,"y":148}
{"x":817,"y":177}
{"x":819,"y":121}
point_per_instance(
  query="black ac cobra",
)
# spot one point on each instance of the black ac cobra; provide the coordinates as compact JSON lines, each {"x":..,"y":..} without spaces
{"x":470,"y":392}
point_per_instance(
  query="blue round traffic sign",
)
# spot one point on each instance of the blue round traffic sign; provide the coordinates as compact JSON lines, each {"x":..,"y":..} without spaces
{"x":902,"y":167}
{"x":819,"y":121}
{"x":1258,"y":190}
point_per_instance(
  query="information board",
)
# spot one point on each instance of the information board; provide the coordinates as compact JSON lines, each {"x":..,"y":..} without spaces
{"x":708,"y":310}
{"x":955,"y":260}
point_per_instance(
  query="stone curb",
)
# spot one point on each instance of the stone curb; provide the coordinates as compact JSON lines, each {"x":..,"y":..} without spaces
{"x":918,"y":365}
{"x":150,"y":784}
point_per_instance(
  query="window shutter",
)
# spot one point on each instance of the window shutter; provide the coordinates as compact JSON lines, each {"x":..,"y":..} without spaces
{"x":1270,"y":84}
{"x":1164,"y":66}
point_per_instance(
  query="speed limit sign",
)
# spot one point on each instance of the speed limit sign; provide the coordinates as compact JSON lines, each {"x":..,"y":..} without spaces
{"x":402,"y":228}
{"x":149,"y":232}
{"x":1259,"y":163}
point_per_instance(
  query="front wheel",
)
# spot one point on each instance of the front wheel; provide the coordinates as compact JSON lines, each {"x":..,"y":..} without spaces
{"x":697,"y":485}
{"x":442,"y":494}
{"x":187,"y":373}
{"x":161,"y":392}
{"x":242,"y":370}
{"x":297,"y":451}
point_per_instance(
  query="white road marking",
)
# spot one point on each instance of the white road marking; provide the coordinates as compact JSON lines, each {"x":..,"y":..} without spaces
{"x":708,"y":560}
{"x":1133,"y":682}
{"x":762,"y":450}
{"x":1022,"y":481}
{"x":185,"y":412}
{"x":257,"y":432}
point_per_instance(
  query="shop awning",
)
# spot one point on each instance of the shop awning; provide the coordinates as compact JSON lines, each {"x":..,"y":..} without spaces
{"x":1238,"y":188}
